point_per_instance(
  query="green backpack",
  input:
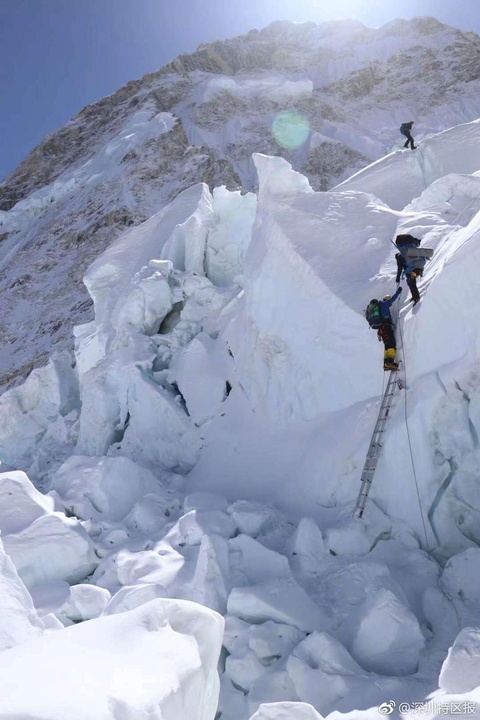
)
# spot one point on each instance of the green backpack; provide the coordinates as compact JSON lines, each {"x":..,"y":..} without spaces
{"x":372,"y":313}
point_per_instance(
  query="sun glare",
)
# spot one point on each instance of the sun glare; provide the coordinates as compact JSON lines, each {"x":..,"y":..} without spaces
{"x":290,"y":129}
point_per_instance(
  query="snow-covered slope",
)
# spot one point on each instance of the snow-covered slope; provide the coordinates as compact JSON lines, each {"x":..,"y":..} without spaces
{"x":328,"y":98}
{"x":207,"y":446}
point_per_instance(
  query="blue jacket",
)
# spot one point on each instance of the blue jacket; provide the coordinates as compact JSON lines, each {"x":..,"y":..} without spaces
{"x":384,"y":305}
{"x":414,"y":264}
{"x":407,"y":265}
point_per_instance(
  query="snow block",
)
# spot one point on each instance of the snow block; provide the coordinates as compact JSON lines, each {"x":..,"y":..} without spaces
{"x":209,"y":360}
{"x":460,"y":671}
{"x":252,"y":562}
{"x":210,"y":583}
{"x":49,"y":597}
{"x":204,"y":501}
{"x":162,"y":655}
{"x":146,"y":303}
{"x":286,"y":711}
{"x":244,"y":668}
{"x":125,"y":407}
{"x":251,"y":517}
{"x":307,"y":547}
{"x":272,"y":687}
{"x":272,"y":640}
{"x":232,"y":702}
{"x":20,"y":503}
{"x":28,"y":410}
{"x":51,"y":622}
{"x":277,"y":178}
{"x":187,"y":243}
{"x":441,"y":615}
{"x":235,"y":636}
{"x":52,"y":548}
{"x":132,"y":596}
{"x":281,"y":600}
{"x":149,"y":514}
{"x":69,"y":604}
{"x":191,"y":527}
{"x":126,"y":567}
{"x":42,"y":544}
{"x":298,"y":246}
{"x":255,"y":650}
{"x":159,"y":430}
{"x":349,"y":538}
{"x":19,"y":621}
{"x":108,"y":279}
{"x":388,"y":638}
{"x":93,"y":488}
{"x":323,"y":671}
{"x":229,"y":238}
{"x":461,"y":576}
{"x":86,"y":602}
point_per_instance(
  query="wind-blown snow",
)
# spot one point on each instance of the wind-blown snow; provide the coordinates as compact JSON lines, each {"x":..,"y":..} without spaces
{"x":215,"y":427}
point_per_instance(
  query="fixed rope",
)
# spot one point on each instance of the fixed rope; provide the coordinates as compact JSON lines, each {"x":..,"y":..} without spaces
{"x":410,"y":443}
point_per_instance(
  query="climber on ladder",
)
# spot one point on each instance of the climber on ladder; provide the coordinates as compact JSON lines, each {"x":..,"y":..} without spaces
{"x":379,"y":318}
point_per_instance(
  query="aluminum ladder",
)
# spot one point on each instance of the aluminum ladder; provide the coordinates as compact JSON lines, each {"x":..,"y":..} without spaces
{"x":375,"y":447}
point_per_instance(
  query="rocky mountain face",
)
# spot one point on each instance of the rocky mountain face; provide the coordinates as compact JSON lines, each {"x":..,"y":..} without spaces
{"x":329,"y":98}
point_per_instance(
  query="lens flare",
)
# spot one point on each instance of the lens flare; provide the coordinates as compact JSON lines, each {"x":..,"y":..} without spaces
{"x":290,"y":129}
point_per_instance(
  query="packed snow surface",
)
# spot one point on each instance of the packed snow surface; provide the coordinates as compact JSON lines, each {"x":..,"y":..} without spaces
{"x":202,"y":457}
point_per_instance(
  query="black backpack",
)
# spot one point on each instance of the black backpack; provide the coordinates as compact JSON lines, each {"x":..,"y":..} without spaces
{"x":372,"y":313}
{"x":402,"y":241}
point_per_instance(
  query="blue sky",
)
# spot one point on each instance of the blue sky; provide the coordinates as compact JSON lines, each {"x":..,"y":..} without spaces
{"x":56,"y":56}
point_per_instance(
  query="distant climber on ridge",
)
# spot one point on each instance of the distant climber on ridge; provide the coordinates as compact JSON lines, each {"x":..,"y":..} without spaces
{"x":379,"y":317}
{"x":406,"y":129}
